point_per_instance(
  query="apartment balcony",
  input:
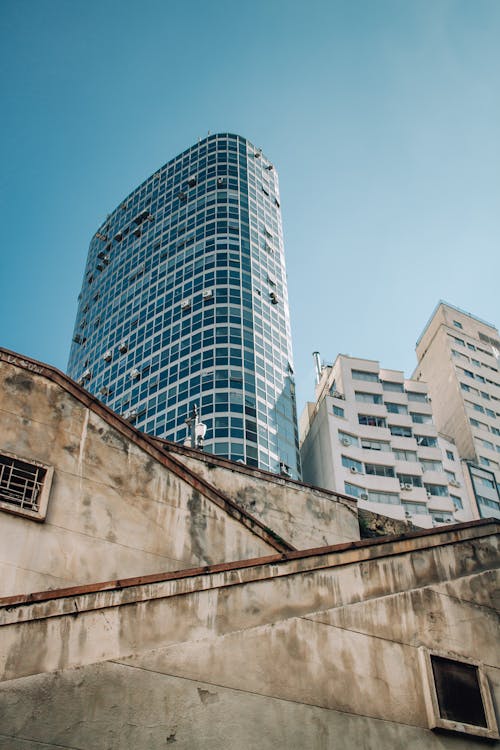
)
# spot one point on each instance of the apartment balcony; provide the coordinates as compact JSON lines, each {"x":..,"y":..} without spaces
{"x":413,"y":495}
{"x":443,"y":504}
{"x":431,"y":454}
{"x":409,"y":467}
{"x":435,"y":477}
{"x":405,"y":443}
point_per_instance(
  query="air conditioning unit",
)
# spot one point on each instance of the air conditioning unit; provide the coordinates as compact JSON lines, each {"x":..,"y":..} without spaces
{"x":105,"y":391}
{"x":185,"y":303}
{"x":454,"y":483}
{"x":428,"y":494}
{"x":336,"y":394}
{"x":274,"y":298}
{"x":363,"y":496}
{"x":123,"y":347}
{"x":135,"y":373}
{"x":345,"y":441}
{"x":107,"y":356}
{"x":354,"y":470}
{"x":86,"y":375}
{"x":207,"y":293}
{"x":407,"y":486}
{"x":192,"y":180}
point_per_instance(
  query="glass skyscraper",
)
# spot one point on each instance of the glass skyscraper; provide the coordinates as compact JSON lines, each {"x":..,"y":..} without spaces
{"x":184,"y":302}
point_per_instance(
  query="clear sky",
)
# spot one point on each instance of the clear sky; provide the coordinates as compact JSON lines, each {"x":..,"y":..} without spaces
{"x":382,"y":117}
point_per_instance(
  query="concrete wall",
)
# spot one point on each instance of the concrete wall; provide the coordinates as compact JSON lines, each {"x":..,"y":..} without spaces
{"x":115,"y":510}
{"x":314,"y":651}
{"x":305,"y":516}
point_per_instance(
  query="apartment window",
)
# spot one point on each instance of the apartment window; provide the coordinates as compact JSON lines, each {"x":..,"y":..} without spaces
{"x":372,"y":377}
{"x":24,"y":486}
{"x":390,"y":498}
{"x":368,"y":398}
{"x":451,"y":476}
{"x":400,"y":431}
{"x":351,"y":463}
{"x":353,"y":490}
{"x":458,"y":696}
{"x":347,"y":439}
{"x":415,"y":396}
{"x":426,"y":441}
{"x":379,"y":470}
{"x":450,"y":456}
{"x":485,"y":482}
{"x":479,"y":425}
{"x":457,"y":324}
{"x":484,"y":461}
{"x":489,"y":503}
{"x":430,"y":465}
{"x":457,"y":502}
{"x":490,"y":413}
{"x":415,"y":508}
{"x":388,"y":385}
{"x":371,"y":421}
{"x":411,"y":479}
{"x":338,"y":411}
{"x":436,"y":490}
{"x":439,"y":517}
{"x":396,"y":408}
{"x":375,"y":445}
{"x":487,"y":444}
{"x":420,"y":418}
{"x":402,"y":455}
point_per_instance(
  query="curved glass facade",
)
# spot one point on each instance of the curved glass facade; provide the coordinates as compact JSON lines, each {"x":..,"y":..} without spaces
{"x":184,"y":301}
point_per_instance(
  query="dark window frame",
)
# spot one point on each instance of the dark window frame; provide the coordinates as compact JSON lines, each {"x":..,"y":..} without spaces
{"x":433,"y":700}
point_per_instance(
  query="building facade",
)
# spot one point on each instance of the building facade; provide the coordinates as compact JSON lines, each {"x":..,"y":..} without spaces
{"x":458,"y":356}
{"x":151,"y":594}
{"x":184,"y":303}
{"x":371,"y":435}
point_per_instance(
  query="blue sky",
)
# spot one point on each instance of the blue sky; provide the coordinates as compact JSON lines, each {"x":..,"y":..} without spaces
{"x":382,"y":117}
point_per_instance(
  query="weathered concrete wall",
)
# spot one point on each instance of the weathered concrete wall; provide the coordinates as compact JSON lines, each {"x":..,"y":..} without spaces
{"x":316,"y":651}
{"x":114,"y":510}
{"x":306,"y":516}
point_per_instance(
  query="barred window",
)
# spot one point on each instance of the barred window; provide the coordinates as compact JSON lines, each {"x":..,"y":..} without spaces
{"x":24,"y":486}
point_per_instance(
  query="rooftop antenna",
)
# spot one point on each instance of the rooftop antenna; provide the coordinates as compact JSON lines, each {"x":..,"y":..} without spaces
{"x":196,"y":430}
{"x":317,"y":366}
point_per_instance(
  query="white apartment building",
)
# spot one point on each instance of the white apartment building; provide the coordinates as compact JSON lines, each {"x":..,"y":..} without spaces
{"x":371,"y":435}
{"x":458,"y":357}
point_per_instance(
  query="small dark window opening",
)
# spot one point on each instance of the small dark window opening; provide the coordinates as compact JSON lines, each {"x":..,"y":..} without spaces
{"x":458,"y":691}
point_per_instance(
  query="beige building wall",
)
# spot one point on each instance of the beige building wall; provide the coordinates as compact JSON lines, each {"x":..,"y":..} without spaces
{"x":458,"y":358}
{"x":120,"y":505}
{"x":315,"y":650}
{"x":306,"y":516}
{"x":371,"y":435}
